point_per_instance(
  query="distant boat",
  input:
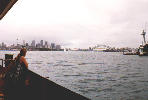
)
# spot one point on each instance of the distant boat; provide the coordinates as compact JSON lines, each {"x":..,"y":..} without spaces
{"x":101,"y":48}
{"x":130,"y":53}
{"x":65,"y":49}
{"x":143,"y":49}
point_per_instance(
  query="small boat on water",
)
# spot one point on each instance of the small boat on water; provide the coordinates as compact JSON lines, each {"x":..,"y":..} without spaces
{"x":130,"y":53}
{"x":101,"y":48}
{"x":126,"y":52}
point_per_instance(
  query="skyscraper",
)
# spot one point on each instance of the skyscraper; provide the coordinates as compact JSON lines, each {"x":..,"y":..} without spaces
{"x":42,"y":44}
{"x":58,"y":47}
{"x":3,"y":45}
{"x":52,"y":45}
{"x":33,"y":44}
{"x":46,"y":44}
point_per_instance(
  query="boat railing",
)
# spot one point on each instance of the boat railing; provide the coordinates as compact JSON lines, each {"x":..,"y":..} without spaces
{"x":5,"y":62}
{"x":2,"y":62}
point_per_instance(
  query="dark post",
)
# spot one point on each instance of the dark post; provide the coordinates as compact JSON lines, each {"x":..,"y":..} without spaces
{"x":8,"y":58}
{"x":2,"y":63}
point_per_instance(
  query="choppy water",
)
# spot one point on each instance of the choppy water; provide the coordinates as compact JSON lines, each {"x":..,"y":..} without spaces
{"x":96,"y":75}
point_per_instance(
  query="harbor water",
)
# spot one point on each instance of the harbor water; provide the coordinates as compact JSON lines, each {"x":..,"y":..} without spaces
{"x":96,"y":75}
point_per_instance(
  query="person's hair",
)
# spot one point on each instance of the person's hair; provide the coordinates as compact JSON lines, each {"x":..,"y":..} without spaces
{"x":23,"y":52}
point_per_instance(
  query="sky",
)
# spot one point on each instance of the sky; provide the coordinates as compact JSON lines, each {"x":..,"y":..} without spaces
{"x":76,"y":23}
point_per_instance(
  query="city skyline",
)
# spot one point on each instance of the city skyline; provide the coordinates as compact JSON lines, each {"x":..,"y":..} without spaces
{"x":43,"y":45}
{"x":46,"y":44}
{"x":35,"y":43}
{"x":79,"y":23}
{"x":30,"y":43}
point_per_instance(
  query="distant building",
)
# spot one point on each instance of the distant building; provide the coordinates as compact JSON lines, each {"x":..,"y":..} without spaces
{"x":18,"y":46}
{"x":58,"y":47}
{"x":24,"y":43}
{"x":27,"y":44}
{"x":42,"y":44}
{"x":3,"y":45}
{"x":90,"y":49}
{"x":33,"y":44}
{"x":52,"y":46}
{"x":38,"y":45}
{"x":12,"y":46}
{"x":46,"y":44}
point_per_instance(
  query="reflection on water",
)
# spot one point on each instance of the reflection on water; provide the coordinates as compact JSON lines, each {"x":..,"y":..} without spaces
{"x":96,"y":75}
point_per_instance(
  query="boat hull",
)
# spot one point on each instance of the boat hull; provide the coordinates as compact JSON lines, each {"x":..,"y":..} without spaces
{"x":143,"y":50}
{"x":39,"y":88}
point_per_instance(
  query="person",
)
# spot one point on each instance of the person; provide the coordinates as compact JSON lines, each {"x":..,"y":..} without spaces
{"x":22,"y":60}
{"x":17,"y":78}
{"x":18,"y":72}
{"x":21,"y":57}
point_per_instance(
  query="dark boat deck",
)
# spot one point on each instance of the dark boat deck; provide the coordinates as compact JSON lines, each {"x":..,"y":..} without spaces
{"x":39,"y":88}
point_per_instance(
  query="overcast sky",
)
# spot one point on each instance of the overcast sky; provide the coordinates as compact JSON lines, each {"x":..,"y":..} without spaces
{"x":76,"y":23}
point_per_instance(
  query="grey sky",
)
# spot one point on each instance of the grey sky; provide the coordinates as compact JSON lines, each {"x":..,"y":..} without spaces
{"x":76,"y":23}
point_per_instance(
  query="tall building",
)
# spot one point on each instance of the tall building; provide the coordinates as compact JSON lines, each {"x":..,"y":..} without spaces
{"x":58,"y":47}
{"x":27,"y":44}
{"x":3,"y":45}
{"x":33,"y":44}
{"x":38,"y":45}
{"x":17,"y":42}
{"x":42,"y":44}
{"x":46,"y":44}
{"x":52,"y":46}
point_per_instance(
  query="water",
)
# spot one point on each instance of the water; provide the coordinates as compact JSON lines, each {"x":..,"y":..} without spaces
{"x":96,"y":75}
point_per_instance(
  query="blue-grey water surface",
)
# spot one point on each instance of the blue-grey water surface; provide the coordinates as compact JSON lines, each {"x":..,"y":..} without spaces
{"x":96,"y":75}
